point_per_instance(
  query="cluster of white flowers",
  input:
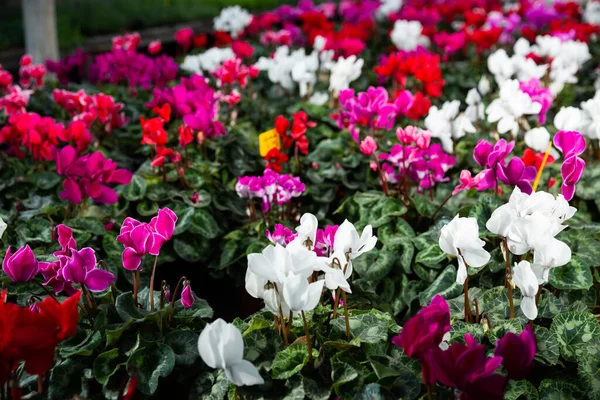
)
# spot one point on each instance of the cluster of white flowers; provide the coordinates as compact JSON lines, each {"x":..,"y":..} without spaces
{"x":530,"y":223}
{"x":344,"y":71}
{"x":279,"y":275}
{"x":585,"y":119}
{"x":512,"y":104}
{"x":208,"y":61}
{"x":406,"y":35}
{"x":387,"y":7}
{"x":447,"y":123}
{"x":232,"y":20}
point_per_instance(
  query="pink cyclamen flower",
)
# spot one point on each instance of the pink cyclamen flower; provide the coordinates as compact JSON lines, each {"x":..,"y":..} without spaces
{"x":368,"y":146}
{"x":140,"y":241}
{"x":571,"y":144}
{"x":163,"y":225}
{"x":154,"y":47}
{"x":183,"y":37}
{"x":324,"y":240}
{"x":515,"y":173}
{"x":539,"y":94}
{"x":467,"y":181}
{"x":425,"y":332}
{"x":21,"y":266}
{"x":466,"y":368}
{"x":82,"y":268}
{"x":281,"y":235}
{"x":187,"y":296}
{"x":517,"y":352}
{"x":491,"y":158}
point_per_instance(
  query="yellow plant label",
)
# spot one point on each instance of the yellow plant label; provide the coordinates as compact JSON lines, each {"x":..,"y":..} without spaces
{"x":267,"y":141}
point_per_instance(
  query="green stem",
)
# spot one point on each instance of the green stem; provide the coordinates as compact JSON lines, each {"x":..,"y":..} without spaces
{"x":152,"y":284}
{"x":308,"y":341}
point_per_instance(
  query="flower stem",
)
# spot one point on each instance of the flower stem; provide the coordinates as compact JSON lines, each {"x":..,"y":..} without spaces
{"x":539,"y":173}
{"x":346,"y":315}
{"x":152,"y":284}
{"x":537,"y":295}
{"x":136,"y":286}
{"x":384,"y":184}
{"x":437,"y":210}
{"x":467,"y":304}
{"x":508,"y":280}
{"x":308,"y":341}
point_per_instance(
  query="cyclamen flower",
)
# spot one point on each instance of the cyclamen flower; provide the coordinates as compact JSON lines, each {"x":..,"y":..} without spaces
{"x":88,"y":176}
{"x":325,"y":240}
{"x":187,"y":296}
{"x":571,"y":144}
{"x":232,"y":20}
{"x":221,"y":346}
{"x":512,"y":104}
{"x":22,"y":266}
{"x":468,"y":182}
{"x":517,"y":352}
{"x":460,"y":238}
{"x":538,"y":94}
{"x":82,"y":268}
{"x":281,"y":235}
{"x":526,"y":280}
{"x":491,"y":158}
{"x":515,"y":173}
{"x":183,"y":37}
{"x":368,"y":146}
{"x":424,"y":332}
{"x":344,"y":71}
{"x":465,"y":367}
{"x":154,"y":47}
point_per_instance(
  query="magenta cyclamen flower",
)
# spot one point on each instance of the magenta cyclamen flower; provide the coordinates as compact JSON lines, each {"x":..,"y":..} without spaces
{"x":281,"y":235}
{"x":368,"y":146}
{"x":466,"y":368}
{"x":21,"y":266}
{"x":515,"y":173}
{"x":425,"y":332}
{"x":324,"y":240}
{"x":538,"y":94}
{"x":466,"y":181}
{"x":88,"y":176}
{"x":517,"y":352}
{"x":571,"y":144}
{"x":271,"y":188}
{"x":491,"y":158}
{"x":81,"y":268}
{"x":187,"y":296}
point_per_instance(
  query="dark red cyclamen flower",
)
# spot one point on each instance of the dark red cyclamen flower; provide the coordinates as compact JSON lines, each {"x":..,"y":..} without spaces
{"x":164,"y":112}
{"x":153,"y":131}
{"x":423,"y":333}
{"x":466,"y":368}
{"x":532,"y":159}
{"x":163,"y":155}
{"x":275,"y":159}
{"x":200,"y":40}
{"x":242,"y":49}
{"x":186,"y":135}
{"x":484,"y":39}
{"x":517,"y":352}
{"x":222,"y":38}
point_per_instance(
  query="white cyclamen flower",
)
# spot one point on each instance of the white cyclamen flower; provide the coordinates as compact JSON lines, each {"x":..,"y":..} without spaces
{"x":547,"y":255}
{"x":568,"y":119}
{"x":233,"y":20}
{"x":307,"y":230}
{"x":387,"y":7}
{"x":344,"y":71}
{"x":460,"y":238}
{"x":475,"y":108}
{"x":319,"y":98}
{"x":501,"y":66}
{"x":524,"y":278}
{"x":2,"y":227}
{"x":590,"y":117}
{"x":406,"y":35}
{"x":537,"y":139}
{"x":445,"y":123}
{"x":512,"y":104}
{"x":221,"y":346}
{"x":483,"y":86}
{"x":299,"y":295}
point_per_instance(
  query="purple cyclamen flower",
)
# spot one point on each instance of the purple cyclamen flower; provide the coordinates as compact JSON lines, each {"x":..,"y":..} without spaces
{"x":491,"y":158}
{"x":571,"y":144}
{"x":21,"y":266}
{"x":517,"y":352}
{"x":515,"y":173}
{"x":187,"y":296}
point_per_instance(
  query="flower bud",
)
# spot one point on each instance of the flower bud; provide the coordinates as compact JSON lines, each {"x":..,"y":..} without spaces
{"x":21,"y":266}
{"x":187,"y":296}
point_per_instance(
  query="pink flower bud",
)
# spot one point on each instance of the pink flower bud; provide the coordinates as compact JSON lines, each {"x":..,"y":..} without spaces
{"x":187,"y":296}
{"x":368,"y":146}
{"x":21,"y":266}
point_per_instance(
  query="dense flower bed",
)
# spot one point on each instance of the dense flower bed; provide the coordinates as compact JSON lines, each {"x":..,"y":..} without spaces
{"x":384,"y":200}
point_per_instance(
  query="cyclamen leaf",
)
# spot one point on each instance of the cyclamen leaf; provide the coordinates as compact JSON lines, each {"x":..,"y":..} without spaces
{"x":136,"y":190}
{"x":574,"y":275}
{"x":575,"y":331}
{"x":150,"y":364}
{"x":520,"y":390}
{"x":551,"y":389}
{"x":547,"y":345}
{"x":431,"y":255}
{"x":107,"y":364}
{"x":445,"y":285}
{"x":290,"y":361}
{"x":589,"y":369}
{"x":184,"y":345}
{"x":204,"y":224}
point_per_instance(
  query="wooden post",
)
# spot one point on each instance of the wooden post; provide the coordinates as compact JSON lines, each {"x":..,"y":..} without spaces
{"x":39,"y":22}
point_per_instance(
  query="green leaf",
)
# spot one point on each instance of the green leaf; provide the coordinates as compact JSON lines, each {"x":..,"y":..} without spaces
{"x":457,"y":304}
{"x":147,"y":208}
{"x":589,"y":369}
{"x":161,"y":192}
{"x":495,"y":303}
{"x":199,"y":310}
{"x":369,"y":327}
{"x":126,"y":308}
{"x":342,"y":373}
{"x":228,"y":254}
{"x":257,"y":324}
{"x":460,"y":328}
{"x":85,"y":348}
{"x":34,"y":230}
{"x":184,"y":345}
{"x":445,"y":285}
{"x":482,"y":211}
{"x":372,"y":391}
{"x":501,"y":328}
{"x":186,"y":248}
{"x":547,"y":345}
{"x":551,"y":389}
{"x":575,"y":331}
{"x":107,"y":364}
{"x":136,"y":190}
{"x":89,"y":224}
{"x":290,"y":361}
{"x":363,"y":198}
{"x":384,"y":210}
{"x":520,"y":390}
{"x":574,"y":275}
{"x":204,"y":224}
{"x":375,"y":266}
{"x":44,"y":180}
{"x":66,"y":380}
{"x":150,"y":364}
{"x":431,"y":255}
{"x":184,"y":221}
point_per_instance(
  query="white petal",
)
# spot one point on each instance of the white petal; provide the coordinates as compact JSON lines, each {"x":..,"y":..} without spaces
{"x":461,"y":274}
{"x":476,"y":258}
{"x":314,"y":295}
{"x":244,"y":373}
{"x":529,"y":308}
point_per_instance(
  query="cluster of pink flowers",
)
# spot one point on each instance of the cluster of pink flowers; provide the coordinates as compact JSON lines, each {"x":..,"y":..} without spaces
{"x":324,"y":238}
{"x":281,"y":37}
{"x":71,"y":267}
{"x":127,"y":42}
{"x":270,"y":188}
{"x":99,"y":108}
{"x":230,"y":73}
{"x":369,"y":109}
{"x":133,"y":68}
{"x":87,"y":176}
{"x":195,"y":101}
{"x":70,"y":68}
{"x":140,"y":238}
{"x":30,"y":74}
{"x":39,"y":135}
{"x":539,"y":94}
{"x":417,"y":159}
